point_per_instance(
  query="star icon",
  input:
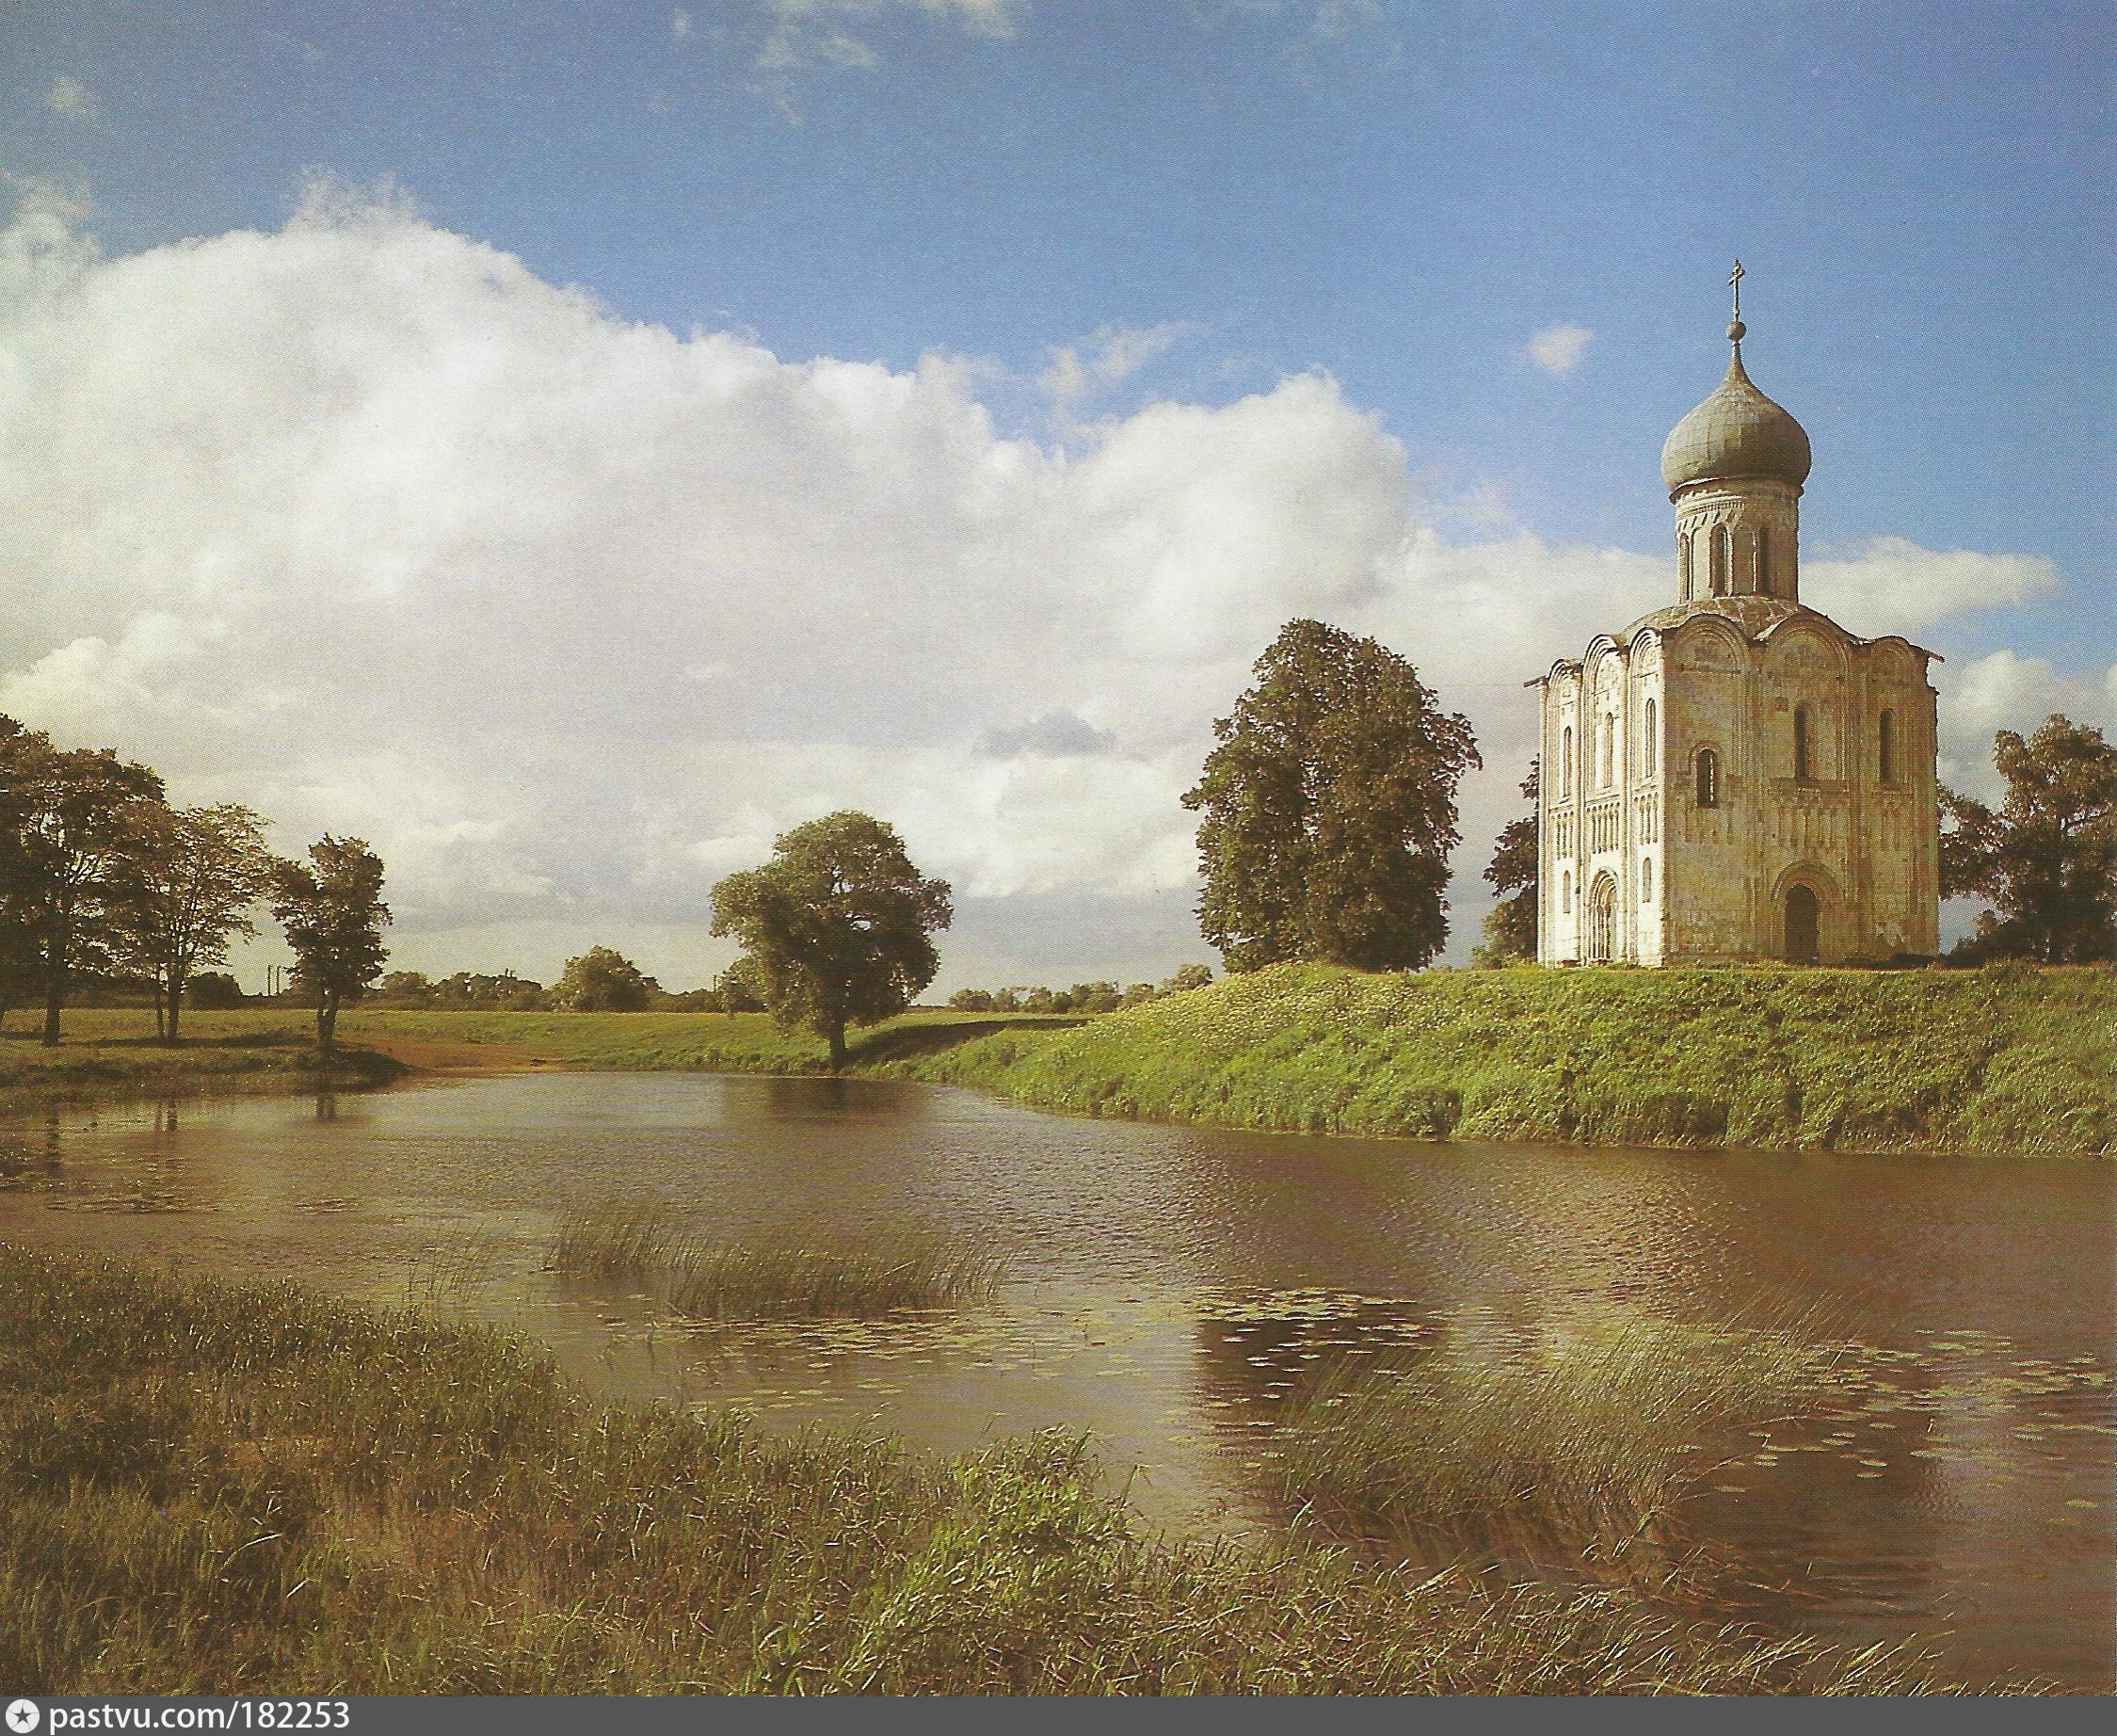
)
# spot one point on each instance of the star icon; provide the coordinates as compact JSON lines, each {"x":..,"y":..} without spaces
{"x":22,"y":1716}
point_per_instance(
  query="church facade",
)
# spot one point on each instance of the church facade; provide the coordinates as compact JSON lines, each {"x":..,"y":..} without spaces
{"x":1736,"y":776}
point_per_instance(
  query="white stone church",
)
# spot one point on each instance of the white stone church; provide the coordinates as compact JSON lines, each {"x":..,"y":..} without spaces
{"x":1737,"y":777}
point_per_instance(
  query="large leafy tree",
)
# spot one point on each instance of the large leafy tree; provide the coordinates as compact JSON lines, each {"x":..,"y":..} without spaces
{"x":2046,"y":858}
{"x":333,"y":909}
{"x":1510,"y":925}
{"x":837,"y":927}
{"x":191,"y":889}
{"x":601,"y":981}
{"x":1329,"y":808}
{"x":74,"y":820}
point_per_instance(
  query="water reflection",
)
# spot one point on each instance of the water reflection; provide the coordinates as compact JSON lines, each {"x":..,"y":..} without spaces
{"x":1170,"y":1288}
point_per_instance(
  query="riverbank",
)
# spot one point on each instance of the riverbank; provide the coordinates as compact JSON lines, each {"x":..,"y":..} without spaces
{"x":215,"y":1489}
{"x":2005,"y":1060}
{"x":2008,"y":1060}
{"x":113,"y":1055}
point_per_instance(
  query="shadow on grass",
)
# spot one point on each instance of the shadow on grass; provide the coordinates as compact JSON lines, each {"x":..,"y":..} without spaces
{"x":912,"y":1042}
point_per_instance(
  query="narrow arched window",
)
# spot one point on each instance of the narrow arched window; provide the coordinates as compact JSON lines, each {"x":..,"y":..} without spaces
{"x":1763,"y":562}
{"x":1802,"y":767}
{"x":1565,"y":766}
{"x":1709,"y":777}
{"x":1565,"y":895}
{"x":1886,"y":746}
{"x":1722,"y":560}
{"x":1683,"y":562}
{"x":1646,"y":880}
{"x":1646,"y":747}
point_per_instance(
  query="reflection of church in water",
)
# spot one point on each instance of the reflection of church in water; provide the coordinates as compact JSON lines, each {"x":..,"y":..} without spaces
{"x":1737,"y":775}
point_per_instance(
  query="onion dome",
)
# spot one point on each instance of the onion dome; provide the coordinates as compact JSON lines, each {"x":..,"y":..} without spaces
{"x":1735,"y":434}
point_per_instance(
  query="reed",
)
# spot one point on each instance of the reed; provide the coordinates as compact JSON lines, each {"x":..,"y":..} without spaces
{"x":213,"y":1488}
{"x":880,"y":1274}
{"x":1577,"y":1450}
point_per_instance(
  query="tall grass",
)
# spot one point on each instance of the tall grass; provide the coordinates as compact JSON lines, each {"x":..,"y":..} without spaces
{"x":212,"y":1489}
{"x":709,"y":1281}
{"x":1579,"y":1449}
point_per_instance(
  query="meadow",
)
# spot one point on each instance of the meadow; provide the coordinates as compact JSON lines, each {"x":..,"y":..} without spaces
{"x":208,"y":1488}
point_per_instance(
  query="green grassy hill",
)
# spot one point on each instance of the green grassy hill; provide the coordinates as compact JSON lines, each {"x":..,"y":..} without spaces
{"x":2005,"y":1060}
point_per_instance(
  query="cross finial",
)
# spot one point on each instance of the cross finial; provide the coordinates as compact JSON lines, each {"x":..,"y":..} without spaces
{"x":1735,"y":282}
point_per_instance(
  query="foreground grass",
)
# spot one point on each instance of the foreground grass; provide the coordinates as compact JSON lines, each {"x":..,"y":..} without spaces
{"x":2007,"y":1060}
{"x":1579,"y":1451}
{"x":716,"y":1282}
{"x":208,"y":1489}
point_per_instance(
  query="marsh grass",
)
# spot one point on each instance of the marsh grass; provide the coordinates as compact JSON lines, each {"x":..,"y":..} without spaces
{"x":886,"y":1272}
{"x":1580,"y":1450}
{"x":213,"y":1488}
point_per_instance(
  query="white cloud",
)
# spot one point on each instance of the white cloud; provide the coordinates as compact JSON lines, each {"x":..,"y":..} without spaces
{"x":2004,"y":690}
{"x":1108,"y":358}
{"x":1890,"y":584}
{"x":70,"y":97}
{"x":1560,"y":348}
{"x":365,"y":524}
{"x":679,"y":24}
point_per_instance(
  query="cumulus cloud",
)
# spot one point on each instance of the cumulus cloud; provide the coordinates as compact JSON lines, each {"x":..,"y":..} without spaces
{"x":363,"y":522}
{"x":70,"y":97}
{"x":1891,"y":584}
{"x":2004,"y":690}
{"x":1560,"y":348}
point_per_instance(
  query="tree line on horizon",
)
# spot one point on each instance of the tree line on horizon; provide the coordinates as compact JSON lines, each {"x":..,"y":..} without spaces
{"x":1328,"y":818}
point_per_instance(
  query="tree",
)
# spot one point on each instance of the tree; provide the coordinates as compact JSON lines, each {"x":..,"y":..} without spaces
{"x":2047,"y":857}
{"x":189,"y":888}
{"x":739,"y":988}
{"x":73,"y":821}
{"x":1510,"y":925}
{"x":331,"y":906}
{"x":970,"y":1001}
{"x":601,"y":981}
{"x":836,"y":926}
{"x":1329,"y":808}
{"x":212,"y":990}
{"x":1187,"y":977}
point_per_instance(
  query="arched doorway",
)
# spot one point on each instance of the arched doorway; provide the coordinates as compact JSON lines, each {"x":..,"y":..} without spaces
{"x":1602,"y":919}
{"x":1804,"y":920}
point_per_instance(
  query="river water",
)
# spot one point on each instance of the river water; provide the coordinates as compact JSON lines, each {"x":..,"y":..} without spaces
{"x":1169,"y":1287}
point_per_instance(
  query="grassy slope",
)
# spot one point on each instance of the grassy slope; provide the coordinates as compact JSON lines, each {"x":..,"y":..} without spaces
{"x":208,"y":1489}
{"x":1993,"y":1061}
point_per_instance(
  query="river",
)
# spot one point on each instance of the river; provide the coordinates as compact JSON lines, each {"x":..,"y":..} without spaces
{"x":1169,"y":1287}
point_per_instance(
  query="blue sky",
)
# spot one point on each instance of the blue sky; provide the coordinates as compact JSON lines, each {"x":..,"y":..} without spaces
{"x":1399,"y":195}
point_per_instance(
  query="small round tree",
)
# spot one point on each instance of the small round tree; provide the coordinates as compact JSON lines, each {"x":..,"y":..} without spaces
{"x":601,"y":981}
{"x":1329,"y":808}
{"x":836,"y":926}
